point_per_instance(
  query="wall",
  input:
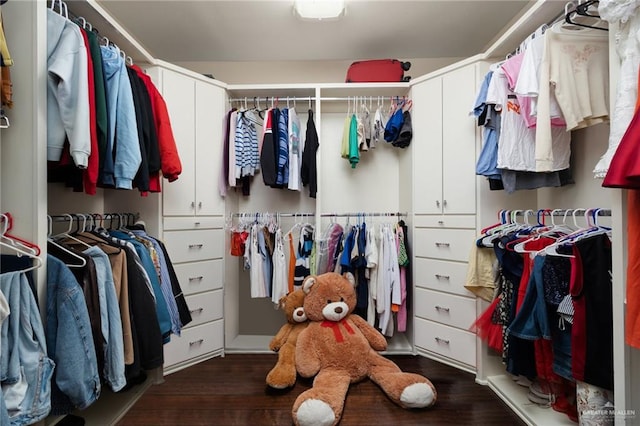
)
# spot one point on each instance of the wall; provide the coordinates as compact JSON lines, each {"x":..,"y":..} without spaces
{"x":297,"y":71}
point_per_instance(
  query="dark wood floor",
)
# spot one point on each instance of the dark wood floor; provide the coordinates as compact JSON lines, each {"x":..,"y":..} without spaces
{"x":231,"y":391}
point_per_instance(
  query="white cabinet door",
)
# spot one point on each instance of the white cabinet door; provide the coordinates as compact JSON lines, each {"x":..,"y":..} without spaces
{"x":427,"y":148}
{"x":178,"y":92}
{"x":208,"y":133}
{"x":459,"y":141}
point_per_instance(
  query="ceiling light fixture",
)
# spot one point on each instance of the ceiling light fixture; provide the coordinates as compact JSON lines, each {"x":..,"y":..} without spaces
{"x":319,"y":9}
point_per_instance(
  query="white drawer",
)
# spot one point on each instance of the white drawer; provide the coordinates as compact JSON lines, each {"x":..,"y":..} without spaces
{"x":194,"y":222}
{"x":447,"y":341}
{"x":189,"y":246}
{"x":196,"y":277}
{"x":449,"y":309}
{"x":442,"y":221}
{"x":193,"y":342}
{"x":441,"y":275}
{"x":448,"y":244}
{"x":205,"y":307}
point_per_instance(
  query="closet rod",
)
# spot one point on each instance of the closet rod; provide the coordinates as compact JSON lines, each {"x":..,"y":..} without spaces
{"x":250,"y":215}
{"x":391,"y":214}
{"x":354,"y":214}
{"x":313,"y":98}
{"x":561,"y":212}
{"x":84,"y":216}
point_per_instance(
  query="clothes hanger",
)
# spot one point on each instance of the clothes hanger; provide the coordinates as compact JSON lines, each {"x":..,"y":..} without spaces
{"x":67,"y":235}
{"x":569,"y":15}
{"x":20,"y":252}
{"x":82,"y":261}
{"x":26,"y":245}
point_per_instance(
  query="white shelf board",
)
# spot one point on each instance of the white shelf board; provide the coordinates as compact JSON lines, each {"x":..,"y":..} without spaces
{"x":515,"y":396}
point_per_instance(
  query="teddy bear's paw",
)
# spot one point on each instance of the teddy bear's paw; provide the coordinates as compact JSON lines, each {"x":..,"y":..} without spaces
{"x":314,"y":412}
{"x":418,"y":395}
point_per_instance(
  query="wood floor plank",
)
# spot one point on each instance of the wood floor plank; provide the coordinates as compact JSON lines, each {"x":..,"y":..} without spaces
{"x":231,"y":391}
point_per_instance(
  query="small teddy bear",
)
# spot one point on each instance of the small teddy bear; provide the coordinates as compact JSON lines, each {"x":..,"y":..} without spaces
{"x":283,"y":374}
{"x":339,"y":348}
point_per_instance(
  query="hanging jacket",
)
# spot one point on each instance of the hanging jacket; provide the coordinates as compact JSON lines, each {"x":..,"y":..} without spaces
{"x":90,"y":174}
{"x":282,"y":171}
{"x":67,"y":91}
{"x":309,"y":161}
{"x":123,"y":130}
{"x":26,"y":369}
{"x":267,"y":154}
{"x":170,"y":164}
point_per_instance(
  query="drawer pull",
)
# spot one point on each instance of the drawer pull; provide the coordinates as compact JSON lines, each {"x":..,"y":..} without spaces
{"x":196,"y":311}
{"x":444,"y":277}
{"x":440,"y":308}
{"x":197,"y":342}
{"x":444,"y":203}
{"x":443,"y":244}
{"x":441,"y":222}
{"x":193,"y":204}
{"x":440,"y":340}
{"x":200,"y":205}
{"x":196,"y":245}
{"x":437,"y":203}
{"x":196,"y":278}
{"x":196,"y":223}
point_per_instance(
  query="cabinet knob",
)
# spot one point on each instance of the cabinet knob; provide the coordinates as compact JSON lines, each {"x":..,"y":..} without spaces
{"x":442,"y":244}
{"x":441,"y":222}
{"x":444,"y":203}
{"x":193,"y":204}
{"x":437,"y":203}
{"x":200,"y":205}
{"x":196,"y":342}
{"x":444,"y":277}
{"x":196,"y":245}
{"x":440,"y":308}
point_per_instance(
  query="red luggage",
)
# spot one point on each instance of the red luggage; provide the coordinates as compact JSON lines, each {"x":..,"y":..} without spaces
{"x":378,"y":71}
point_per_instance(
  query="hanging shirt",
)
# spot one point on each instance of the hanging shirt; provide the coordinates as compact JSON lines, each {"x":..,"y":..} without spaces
{"x":295,"y":151}
{"x":280,"y":270}
{"x":282,"y":173}
{"x":576,"y":64}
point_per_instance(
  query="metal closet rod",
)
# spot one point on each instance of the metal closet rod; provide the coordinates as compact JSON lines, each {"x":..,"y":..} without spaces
{"x":561,"y":212}
{"x":355,"y":214}
{"x":313,"y":98}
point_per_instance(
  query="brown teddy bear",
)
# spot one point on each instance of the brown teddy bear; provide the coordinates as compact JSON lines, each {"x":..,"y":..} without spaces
{"x":283,"y":374}
{"x":339,"y":349}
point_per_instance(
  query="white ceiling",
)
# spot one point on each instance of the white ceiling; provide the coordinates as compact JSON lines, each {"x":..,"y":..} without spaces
{"x":267,"y":30}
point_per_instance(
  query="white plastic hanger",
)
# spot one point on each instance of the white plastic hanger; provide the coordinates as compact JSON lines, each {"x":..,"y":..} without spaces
{"x":20,"y":252}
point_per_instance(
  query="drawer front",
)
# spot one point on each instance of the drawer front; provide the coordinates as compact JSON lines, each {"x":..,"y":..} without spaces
{"x":194,"y":222}
{"x":443,"y":221}
{"x":196,"y":277}
{"x":447,"y":341}
{"x":448,"y":309}
{"x":205,"y":307}
{"x":448,"y":244}
{"x":193,"y":342}
{"x":441,"y":275}
{"x":190,"y":246}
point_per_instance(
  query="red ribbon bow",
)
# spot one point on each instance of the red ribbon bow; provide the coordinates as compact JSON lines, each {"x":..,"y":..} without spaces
{"x":336,"y":329}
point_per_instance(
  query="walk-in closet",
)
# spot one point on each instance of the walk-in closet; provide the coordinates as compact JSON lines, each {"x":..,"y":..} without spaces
{"x":438,"y":189}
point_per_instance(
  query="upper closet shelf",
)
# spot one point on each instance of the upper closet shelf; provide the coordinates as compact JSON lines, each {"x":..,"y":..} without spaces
{"x":102,"y":21}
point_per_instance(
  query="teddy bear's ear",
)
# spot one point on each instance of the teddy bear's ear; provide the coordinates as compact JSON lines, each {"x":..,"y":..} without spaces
{"x":308,"y":283}
{"x":349,"y":276}
{"x":281,"y":303}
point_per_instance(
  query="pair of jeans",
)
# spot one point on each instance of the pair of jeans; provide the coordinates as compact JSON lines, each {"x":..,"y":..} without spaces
{"x":25,"y":368}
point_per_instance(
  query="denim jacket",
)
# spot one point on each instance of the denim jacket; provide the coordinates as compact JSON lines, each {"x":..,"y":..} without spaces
{"x":25,"y":368}
{"x":76,"y":373}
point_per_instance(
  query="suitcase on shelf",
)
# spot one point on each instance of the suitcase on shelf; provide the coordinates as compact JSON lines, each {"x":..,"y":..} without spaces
{"x":378,"y":71}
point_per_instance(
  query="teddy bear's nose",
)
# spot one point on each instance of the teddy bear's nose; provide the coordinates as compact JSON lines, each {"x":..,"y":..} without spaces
{"x":338,"y":310}
{"x":299,"y":313}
